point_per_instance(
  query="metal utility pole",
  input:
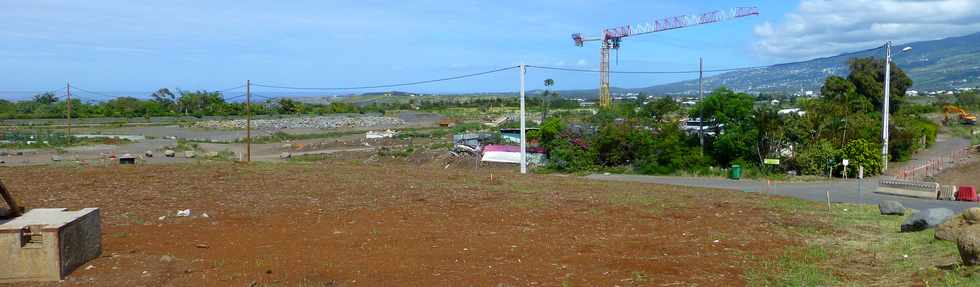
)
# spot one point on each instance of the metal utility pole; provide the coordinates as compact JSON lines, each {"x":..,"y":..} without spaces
{"x":605,"y":96}
{"x":701,"y":100}
{"x":248,"y":120}
{"x":523,"y":126}
{"x":68,"y":118}
{"x":885,"y":110}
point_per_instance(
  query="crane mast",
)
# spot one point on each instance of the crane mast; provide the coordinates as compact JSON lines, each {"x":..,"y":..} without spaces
{"x":612,"y":37}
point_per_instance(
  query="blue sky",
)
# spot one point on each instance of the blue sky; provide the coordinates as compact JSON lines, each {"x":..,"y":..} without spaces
{"x":133,"y":48}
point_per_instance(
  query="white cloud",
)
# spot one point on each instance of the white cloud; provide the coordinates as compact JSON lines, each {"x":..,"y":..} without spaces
{"x":829,"y":27}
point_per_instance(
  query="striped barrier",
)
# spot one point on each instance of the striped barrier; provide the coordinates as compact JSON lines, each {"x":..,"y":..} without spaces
{"x":947,"y":192}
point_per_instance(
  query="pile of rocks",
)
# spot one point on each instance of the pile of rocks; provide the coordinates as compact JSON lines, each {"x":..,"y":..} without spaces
{"x":303,"y":123}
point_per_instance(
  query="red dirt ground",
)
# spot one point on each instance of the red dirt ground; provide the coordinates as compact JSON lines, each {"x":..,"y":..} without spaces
{"x":354,"y":224}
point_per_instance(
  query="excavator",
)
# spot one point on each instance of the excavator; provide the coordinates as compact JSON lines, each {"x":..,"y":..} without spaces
{"x":966,"y":118}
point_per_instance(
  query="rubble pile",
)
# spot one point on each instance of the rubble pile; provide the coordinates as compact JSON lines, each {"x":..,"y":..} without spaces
{"x":303,"y":123}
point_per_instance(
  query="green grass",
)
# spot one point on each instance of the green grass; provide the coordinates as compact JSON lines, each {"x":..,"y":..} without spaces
{"x":853,"y":245}
{"x":799,"y":266}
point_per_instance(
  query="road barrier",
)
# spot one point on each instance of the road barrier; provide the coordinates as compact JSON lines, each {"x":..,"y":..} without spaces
{"x":918,"y":189}
{"x":947,"y":192}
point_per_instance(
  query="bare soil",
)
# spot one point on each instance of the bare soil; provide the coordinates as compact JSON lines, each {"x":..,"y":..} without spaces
{"x":347,"y":223}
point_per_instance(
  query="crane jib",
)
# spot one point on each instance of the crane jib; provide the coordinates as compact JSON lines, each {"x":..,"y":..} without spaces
{"x":671,"y":23}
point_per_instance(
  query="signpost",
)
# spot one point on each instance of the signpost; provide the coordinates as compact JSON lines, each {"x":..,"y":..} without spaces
{"x":769,"y":161}
{"x":861,"y":182}
{"x":845,"y":162}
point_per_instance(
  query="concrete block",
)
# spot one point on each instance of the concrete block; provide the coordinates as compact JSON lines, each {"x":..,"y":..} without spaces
{"x":906,"y":192}
{"x":47,"y":244}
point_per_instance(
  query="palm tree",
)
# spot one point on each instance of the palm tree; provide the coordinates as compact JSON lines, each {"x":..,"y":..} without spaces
{"x":545,"y":101}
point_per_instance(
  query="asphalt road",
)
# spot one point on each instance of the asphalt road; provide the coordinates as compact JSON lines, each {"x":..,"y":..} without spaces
{"x":848,"y":191}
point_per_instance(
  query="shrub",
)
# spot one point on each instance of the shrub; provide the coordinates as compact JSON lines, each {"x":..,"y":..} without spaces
{"x":860,"y":152}
{"x":815,"y":159}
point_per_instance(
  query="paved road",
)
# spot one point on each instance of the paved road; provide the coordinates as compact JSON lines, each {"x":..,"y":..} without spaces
{"x":840,"y":190}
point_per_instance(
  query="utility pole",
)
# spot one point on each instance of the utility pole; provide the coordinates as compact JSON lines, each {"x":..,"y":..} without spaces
{"x":523,"y":125}
{"x":885,"y":110}
{"x":68,"y":118}
{"x":701,"y":100}
{"x":248,"y":120}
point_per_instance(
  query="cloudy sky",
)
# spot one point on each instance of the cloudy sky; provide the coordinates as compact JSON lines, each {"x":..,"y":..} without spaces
{"x":132,"y":47}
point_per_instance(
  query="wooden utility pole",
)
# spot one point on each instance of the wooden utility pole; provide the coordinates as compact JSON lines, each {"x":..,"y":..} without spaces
{"x":248,"y":120}
{"x":68,"y":119}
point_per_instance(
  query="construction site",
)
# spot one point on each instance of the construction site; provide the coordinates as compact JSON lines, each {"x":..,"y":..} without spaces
{"x":379,"y":181}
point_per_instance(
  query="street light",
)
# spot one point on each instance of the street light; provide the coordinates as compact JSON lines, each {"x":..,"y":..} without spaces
{"x":885,"y":110}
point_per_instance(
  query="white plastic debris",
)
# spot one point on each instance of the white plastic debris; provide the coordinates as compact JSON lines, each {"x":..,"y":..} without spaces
{"x":205,"y":215}
{"x":184,"y":213}
{"x":162,"y":217}
{"x":89,"y":267}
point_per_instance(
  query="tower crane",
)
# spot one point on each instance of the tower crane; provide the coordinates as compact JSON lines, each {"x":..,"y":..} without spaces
{"x":612,"y":37}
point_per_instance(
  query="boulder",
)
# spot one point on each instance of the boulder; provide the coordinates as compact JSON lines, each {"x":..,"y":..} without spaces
{"x":926,"y":219}
{"x":211,"y":154}
{"x":57,"y":158}
{"x":148,"y":153}
{"x":951,"y":229}
{"x":285,"y":155}
{"x":891,"y":207}
{"x":169,"y":153}
{"x":972,"y":215}
{"x":968,"y":243}
{"x":190,"y":154}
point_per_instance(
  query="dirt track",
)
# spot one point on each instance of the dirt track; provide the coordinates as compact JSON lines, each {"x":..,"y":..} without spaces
{"x":399,"y":224}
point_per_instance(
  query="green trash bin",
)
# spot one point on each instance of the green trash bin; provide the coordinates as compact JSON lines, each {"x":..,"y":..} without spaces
{"x":736,"y":172}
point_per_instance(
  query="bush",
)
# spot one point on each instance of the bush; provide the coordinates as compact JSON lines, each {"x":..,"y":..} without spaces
{"x":860,"y":152}
{"x":816,"y":159}
{"x":908,"y":135}
{"x":669,"y":153}
{"x":566,"y":156}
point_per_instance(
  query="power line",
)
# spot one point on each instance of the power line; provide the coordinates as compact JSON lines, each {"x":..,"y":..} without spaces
{"x":98,"y":94}
{"x":389,"y":85}
{"x":231,"y":89}
{"x":646,"y":72}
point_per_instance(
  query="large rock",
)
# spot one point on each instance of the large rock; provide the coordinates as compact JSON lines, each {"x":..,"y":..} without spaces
{"x":891,"y":207}
{"x":926,"y":219}
{"x":190,"y":154}
{"x":169,"y":153}
{"x":968,"y":244}
{"x":952,"y":228}
{"x":57,"y":158}
{"x":285,"y":155}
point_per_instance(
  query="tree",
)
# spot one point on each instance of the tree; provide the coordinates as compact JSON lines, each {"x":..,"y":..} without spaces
{"x":164,"y":97}
{"x":545,"y":100}
{"x":46,"y":98}
{"x":868,"y":77}
{"x":725,"y":107}
{"x":660,"y":108}
{"x":771,"y":140}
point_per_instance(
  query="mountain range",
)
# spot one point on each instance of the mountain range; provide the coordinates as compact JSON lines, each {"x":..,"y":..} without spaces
{"x":933,"y":65}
